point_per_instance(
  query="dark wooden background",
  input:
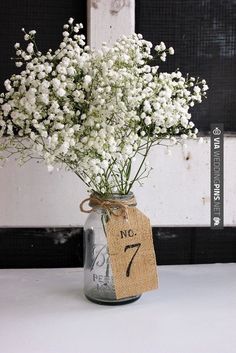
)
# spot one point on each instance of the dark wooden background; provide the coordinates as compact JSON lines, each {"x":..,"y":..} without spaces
{"x":46,"y":17}
{"x":203,"y":35}
{"x":63,"y":247}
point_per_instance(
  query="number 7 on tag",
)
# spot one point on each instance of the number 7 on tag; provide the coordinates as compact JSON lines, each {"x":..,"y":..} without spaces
{"x":137,"y":246}
{"x":132,"y":255}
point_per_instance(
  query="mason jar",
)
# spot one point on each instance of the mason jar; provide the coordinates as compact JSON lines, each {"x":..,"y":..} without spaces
{"x":98,"y":279}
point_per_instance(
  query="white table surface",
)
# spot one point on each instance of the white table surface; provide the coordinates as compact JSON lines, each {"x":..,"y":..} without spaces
{"x":194,"y":311}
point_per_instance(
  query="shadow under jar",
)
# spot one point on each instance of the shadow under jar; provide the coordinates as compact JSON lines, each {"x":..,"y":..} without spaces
{"x":98,"y":280}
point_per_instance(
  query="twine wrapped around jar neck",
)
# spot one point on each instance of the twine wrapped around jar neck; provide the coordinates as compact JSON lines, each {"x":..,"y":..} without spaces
{"x":113,"y":206}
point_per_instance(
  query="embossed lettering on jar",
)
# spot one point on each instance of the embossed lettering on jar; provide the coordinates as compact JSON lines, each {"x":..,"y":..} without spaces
{"x":98,"y":279}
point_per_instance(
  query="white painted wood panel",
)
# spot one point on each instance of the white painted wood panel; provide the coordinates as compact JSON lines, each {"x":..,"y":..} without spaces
{"x":108,"y":20}
{"x":176,"y":194}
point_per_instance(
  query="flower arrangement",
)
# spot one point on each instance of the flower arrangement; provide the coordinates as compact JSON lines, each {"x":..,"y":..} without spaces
{"x":95,"y":111}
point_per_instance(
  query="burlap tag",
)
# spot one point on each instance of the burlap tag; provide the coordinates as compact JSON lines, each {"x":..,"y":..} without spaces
{"x":131,"y":251}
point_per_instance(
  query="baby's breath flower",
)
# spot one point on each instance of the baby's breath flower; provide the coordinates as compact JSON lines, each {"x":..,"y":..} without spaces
{"x":26,"y":37}
{"x":71,"y":20}
{"x":163,"y":57}
{"x":18,"y":63}
{"x":96,"y":110}
{"x":30,"y":48}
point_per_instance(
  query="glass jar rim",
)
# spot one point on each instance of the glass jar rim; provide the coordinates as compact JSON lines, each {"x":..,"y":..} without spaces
{"x":113,"y":198}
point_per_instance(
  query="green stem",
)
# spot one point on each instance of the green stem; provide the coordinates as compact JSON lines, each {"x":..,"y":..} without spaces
{"x":140,"y":167}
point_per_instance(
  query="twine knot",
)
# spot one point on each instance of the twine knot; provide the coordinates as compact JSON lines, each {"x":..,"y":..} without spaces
{"x":113,"y":207}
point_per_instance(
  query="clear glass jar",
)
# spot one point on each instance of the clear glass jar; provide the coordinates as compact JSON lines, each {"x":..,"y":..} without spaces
{"x":98,"y":279}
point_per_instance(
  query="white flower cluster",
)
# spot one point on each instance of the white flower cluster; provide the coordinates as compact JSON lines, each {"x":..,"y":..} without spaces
{"x":94,"y":111}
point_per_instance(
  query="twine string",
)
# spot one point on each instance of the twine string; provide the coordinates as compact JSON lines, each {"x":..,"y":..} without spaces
{"x":116,"y":208}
